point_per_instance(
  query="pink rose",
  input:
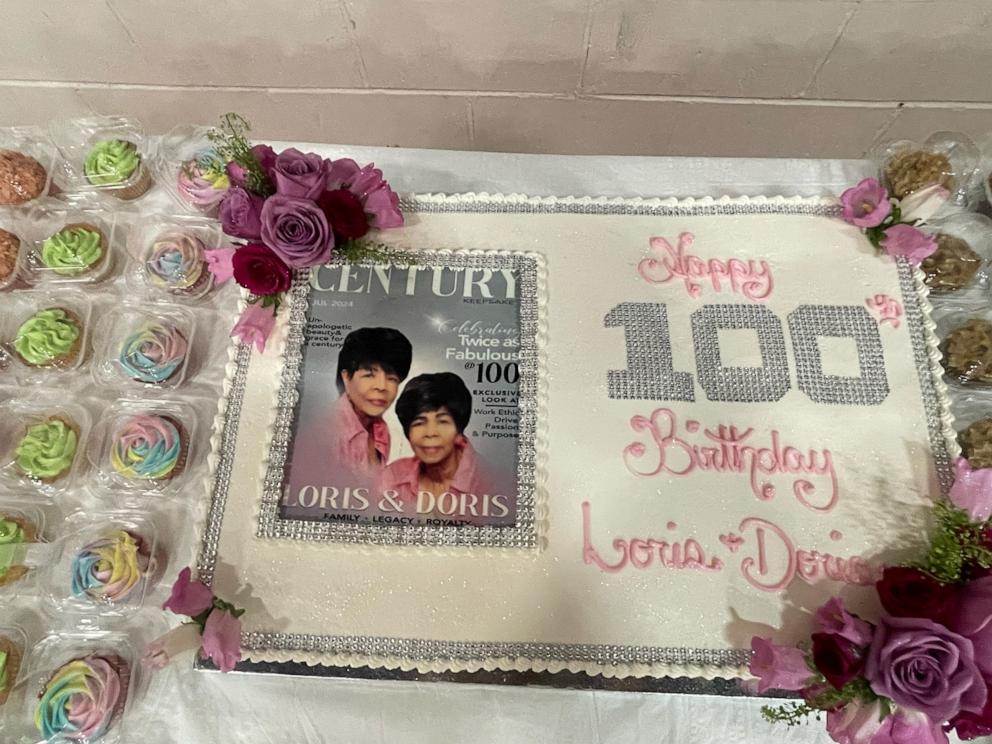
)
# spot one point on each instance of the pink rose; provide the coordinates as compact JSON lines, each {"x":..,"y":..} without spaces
{"x":160,"y":652}
{"x":255,"y":325}
{"x":909,"y":727}
{"x":298,"y":174}
{"x":973,"y":620}
{"x":781,"y":667}
{"x":972,"y":490}
{"x":908,"y":242}
{"x":855,"y":723}
{"x":833,"y":617}
{"x":220,"y":263}
{"x":222,"y":639}
{"x":867,"y":204}
{"x":188,"y":597}
{"x":240,"y":214}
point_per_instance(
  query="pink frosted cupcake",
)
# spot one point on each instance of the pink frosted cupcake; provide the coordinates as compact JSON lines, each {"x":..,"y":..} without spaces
{"x":202,"y":182}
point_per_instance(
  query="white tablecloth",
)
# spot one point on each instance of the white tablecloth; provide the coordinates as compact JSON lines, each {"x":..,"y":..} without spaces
{"x":184,"y":706}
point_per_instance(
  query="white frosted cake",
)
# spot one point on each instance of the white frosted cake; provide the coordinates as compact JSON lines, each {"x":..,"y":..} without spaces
{"x":670,"y":426}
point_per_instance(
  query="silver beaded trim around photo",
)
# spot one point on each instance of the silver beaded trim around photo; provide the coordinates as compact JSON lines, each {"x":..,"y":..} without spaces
{"x":524,"y":534}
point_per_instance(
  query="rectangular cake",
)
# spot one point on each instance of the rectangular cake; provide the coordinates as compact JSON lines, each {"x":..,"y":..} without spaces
{"x":614,"y":437}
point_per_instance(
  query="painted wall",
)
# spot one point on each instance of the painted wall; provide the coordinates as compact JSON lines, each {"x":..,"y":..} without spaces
{"x":701,"y":77}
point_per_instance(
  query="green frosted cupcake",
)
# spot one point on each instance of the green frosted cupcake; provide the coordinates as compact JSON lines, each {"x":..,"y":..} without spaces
{"x":116,"y":164}
{"x":50,"y":338}
{"x":73,"y":250}
{"x":47,"y":450}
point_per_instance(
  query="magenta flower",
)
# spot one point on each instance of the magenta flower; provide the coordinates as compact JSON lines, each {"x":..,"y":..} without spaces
{"x":972,"y":725}
{"x":973,"y":620}
{"x":833,"y":617}
{"x":972,"y":490}
{"x":255,"y":325}
{"x":160,"y":652}
{"x":220,"y":263}
{"x":867,"y":204}
{"x":188,"y":597}
{"x":222,"y":639}
{"x":908,"y":242}
{"x":781,"y":667}
{"x":240,"y":214}
{"x":380,"y":202}
{"x":909,"y":727}
{"x":855,"y":723}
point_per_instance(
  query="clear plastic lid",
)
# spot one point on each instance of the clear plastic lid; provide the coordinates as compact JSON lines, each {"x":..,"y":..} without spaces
{"x":28,"y":160}
{"x":103,"y":566}
{"x":43,"y":439}
{"x":191,"y":171}
{"x":973,"y":423}
{"x":146,"y":345}
{"x":13,"y":247}
{"x":104,"y":154}
{"x":965,"y":331}
{"x":145,"y":446}
{"x":45,"y":706}
{"x":964,"y":254}
{"x":168,"y":259}
{"x":947,"y":158}
{"x":70,"y":246}
{"x":22,"y":528}
{"x":14,"y":660}
{"x":44,"y":334}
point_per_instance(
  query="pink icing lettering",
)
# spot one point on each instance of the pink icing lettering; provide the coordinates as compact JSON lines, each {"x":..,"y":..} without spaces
{"x":753,"y":278}
{"x":725,"y":451}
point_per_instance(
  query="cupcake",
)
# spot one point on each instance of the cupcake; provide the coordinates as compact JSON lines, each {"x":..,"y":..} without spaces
{"x":50,"y":338}
{"x":14,"y":531}
{"x":111,"y":568}
{"x":10,"y":665}
{"x":83,"y":699}
{"x":202,"y":182}
{"x":976,"y":443}
{"x":74,"y":250}
{"x":153,"y":353}
{"x":22,"y":178}
{"x":968,"y":351}
{"x":911,"y":170}
{"x":116,"y":164}
{"x":10,"y":248}
{"x":177,"y":264}
{"x":952,"y":266}
{"x":149,"y":447}
{"x":47,"y":450}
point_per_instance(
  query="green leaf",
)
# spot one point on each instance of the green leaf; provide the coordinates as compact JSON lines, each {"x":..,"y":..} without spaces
{"x":232,"y":145}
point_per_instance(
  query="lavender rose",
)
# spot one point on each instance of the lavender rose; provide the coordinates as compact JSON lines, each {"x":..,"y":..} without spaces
{"x":240,"y":214}
{"x":297,"y":231}
{"x":298,"y":174}
{"x":924,"y":666}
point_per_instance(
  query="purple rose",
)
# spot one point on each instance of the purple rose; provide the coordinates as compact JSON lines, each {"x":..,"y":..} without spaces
{"x":908,"y":242}
{"x":341,"y":173}
{"x":926,"y":667}
{"x":297,"y":231}
{"x":781,"y":667}
{"x":836,"y":658}
{"x":299,"y":174}
{"x":833,"y":617}
{"x":867,"y":204}
{"x":973,"y":620}
{"x":909,"y":727}
{"x":972,"y":490}
{"x":855,"y":723}
{"x":240,"y":214}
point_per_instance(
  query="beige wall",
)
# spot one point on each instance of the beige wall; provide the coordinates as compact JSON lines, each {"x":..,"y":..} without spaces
{"x":708,"y":77}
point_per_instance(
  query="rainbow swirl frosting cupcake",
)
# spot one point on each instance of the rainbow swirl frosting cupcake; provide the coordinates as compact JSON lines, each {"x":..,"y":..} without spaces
{"x":47,"y":450}
{"x":148,"y":447}
{"x":153,"y":352}
{"x":83,"y":699}
{"x":176,"y":263}
{"x":110,"y":568}
{"x":50,"y":337}
{"x":73,"y":250}
{"x":202,"y":181}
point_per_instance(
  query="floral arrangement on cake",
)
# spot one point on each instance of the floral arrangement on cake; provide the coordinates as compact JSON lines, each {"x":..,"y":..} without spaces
{"x":925,"y":667}
{"x":292,"y":210}
{"x":892,"y":225}
{"x":214,"y":627}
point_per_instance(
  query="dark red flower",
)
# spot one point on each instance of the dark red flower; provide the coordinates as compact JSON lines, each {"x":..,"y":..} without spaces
{"x":836,"y":658}
{"x":972,"y":725}
{"x":345,"y":213}
{"x":909,"y":592}
{"x":259,"y":270}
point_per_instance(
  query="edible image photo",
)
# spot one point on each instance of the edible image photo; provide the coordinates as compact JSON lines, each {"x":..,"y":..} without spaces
{"x":407,"y":410}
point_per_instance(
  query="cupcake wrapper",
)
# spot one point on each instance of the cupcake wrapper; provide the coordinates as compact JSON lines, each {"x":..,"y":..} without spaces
{"x":141,"y":184}
{"x":14,"y":658}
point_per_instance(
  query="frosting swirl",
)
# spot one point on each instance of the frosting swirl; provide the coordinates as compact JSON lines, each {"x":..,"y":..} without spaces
{"x":203,"y":181}
{"x":46,"y":336}
{"x":111,"y":162}
{"x":72,"y":250}
{"x":175,"y":261}
{"x":82,"y":699}
{"x":153,"y":352}
{"x":147,"y":448}
{"x":47,"y":449}
{"x":109,"y":569}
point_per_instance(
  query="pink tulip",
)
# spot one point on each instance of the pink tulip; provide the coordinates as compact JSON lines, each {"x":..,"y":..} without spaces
{"x":972,"y":490}
{"x":160,"y":652}
{"x":867,"y":204}
{"x":908,"y":242}
{"x":222,"y":639}
{"x":219,"y":263}
{"x":188,"y":597}
{"x":255,"y":325}
{"x":781,"y":667}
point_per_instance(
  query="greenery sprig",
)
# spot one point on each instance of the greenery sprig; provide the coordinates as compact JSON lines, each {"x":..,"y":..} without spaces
{"x":876,"y":234}
{"x":361,"y":251}
{"x":232,"y":144}
{"x":956,"y":545}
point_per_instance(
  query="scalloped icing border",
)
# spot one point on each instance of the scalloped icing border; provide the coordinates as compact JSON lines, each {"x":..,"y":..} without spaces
{"x":514,"y":202}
